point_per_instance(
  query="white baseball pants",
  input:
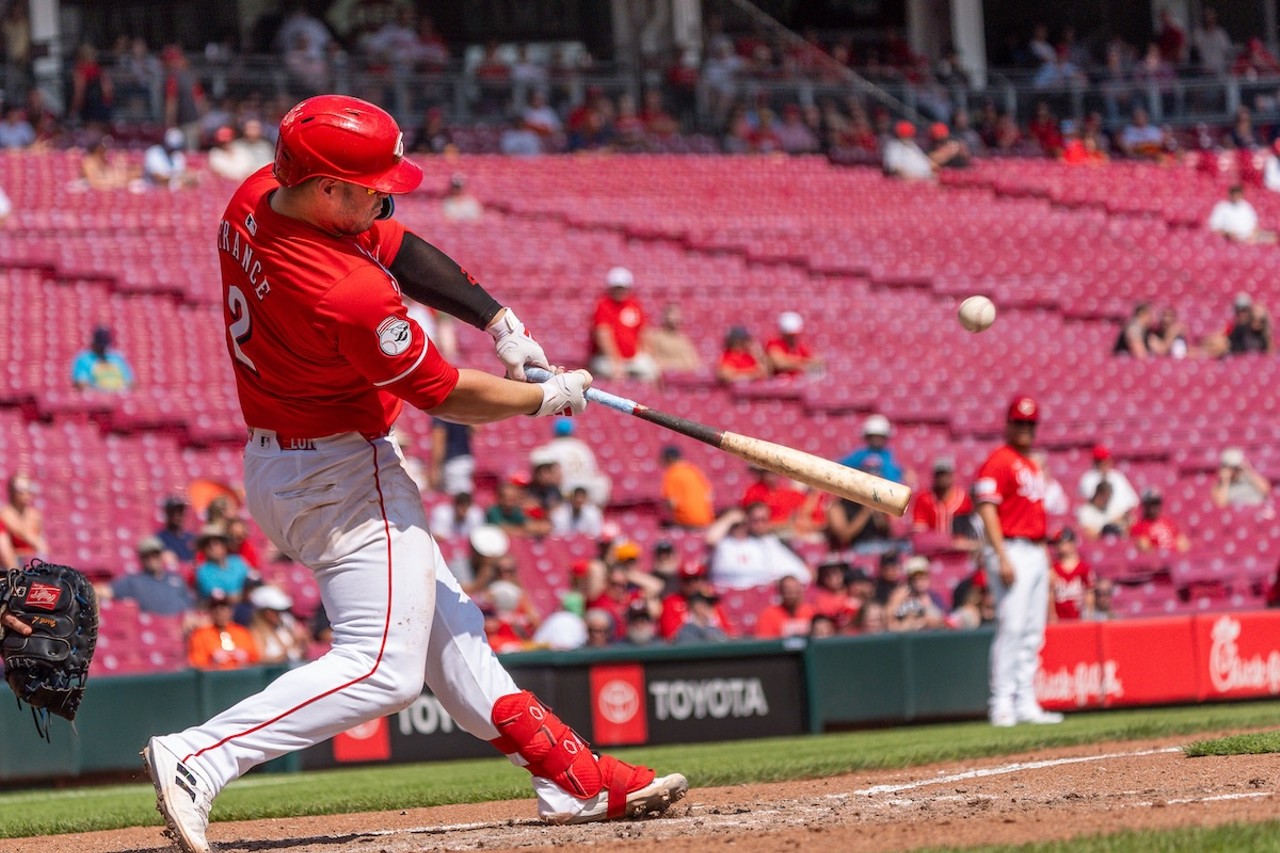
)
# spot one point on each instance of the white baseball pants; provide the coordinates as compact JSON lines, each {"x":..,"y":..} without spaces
{"x":348,"y":510}
{"x":1021,"y":613}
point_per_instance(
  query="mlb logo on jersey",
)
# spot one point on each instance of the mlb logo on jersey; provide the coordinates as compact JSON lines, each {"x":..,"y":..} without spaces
{"x":394,"y":335}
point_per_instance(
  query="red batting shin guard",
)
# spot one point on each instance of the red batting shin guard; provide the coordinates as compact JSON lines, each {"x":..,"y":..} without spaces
{"x":549,"y":747}
{"x":554,"y":751}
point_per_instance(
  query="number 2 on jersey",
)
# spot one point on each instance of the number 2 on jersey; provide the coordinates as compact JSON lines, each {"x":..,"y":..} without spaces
{"x":239,"y":330}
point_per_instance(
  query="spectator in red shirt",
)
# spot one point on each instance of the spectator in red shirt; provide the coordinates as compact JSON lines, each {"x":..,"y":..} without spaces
{"x":790,"y":617}
{"x":1045,"y":129}
{"x":657,"y":121}
{"x":504,"y":626}
{"x":937,"y":509}
{"x":625,"y":583}
{"x":782,"y":498}
{"x":617,"y":332}
{"x":833,"y":598}
{"x":675,"y":607}
{"x":1155,"y":531}
{"x":1171,"y":38}
{"x":238,"y":542}
{"x":184,"y":97}
{"x":1071,"y":580}
{"x":788,"y":354}
{"x":1255,"y":61}
{"x":742,"y":359}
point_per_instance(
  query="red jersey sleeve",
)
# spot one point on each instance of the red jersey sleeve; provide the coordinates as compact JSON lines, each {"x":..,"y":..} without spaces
{"x":374,"y":333}
{"x":994,"y":479}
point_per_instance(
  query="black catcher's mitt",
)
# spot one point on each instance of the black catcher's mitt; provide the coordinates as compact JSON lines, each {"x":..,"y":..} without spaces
{"x":48,"y":669}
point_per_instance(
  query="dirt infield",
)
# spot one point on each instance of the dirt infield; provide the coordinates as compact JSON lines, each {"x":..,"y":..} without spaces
{"x":1055,"y":794}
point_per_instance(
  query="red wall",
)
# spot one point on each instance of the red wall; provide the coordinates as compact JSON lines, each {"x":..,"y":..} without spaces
{"x":1158,"y":661}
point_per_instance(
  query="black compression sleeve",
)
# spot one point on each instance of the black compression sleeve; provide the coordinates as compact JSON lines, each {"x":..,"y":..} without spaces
{"x":431,"y":277}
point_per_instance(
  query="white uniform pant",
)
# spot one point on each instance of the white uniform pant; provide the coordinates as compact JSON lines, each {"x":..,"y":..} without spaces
{"x":348,"y":510}
{"x":1021,"y":613}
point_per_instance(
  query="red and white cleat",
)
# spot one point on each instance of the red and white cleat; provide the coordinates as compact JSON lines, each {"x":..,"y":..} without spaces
{"x":629,"y":792}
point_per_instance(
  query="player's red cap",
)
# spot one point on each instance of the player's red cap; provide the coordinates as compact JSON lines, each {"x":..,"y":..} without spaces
{"x":1024,"y":409}
{"x":337,"y":136}
{"x":904,"y":129}
{"x":1101,"y":452}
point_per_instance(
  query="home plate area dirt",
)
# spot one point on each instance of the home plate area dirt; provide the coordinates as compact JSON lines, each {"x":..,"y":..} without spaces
{"x":1054,"y":794}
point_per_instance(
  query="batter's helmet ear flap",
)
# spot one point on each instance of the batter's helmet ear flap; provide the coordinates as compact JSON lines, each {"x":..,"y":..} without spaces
{"x":388,"y":208}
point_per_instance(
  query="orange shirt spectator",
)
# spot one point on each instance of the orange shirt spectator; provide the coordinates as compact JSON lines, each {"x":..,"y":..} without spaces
{"x":790,"y":617}
{"x":222,"y":644}
{"x":686,"y":490}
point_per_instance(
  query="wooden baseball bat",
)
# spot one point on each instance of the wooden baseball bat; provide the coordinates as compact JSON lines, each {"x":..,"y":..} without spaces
{"x":840,"y":480}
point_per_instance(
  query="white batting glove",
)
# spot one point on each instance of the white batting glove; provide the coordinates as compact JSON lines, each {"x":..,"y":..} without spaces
{"x":515,"y":346}
{"x":565,"y":394}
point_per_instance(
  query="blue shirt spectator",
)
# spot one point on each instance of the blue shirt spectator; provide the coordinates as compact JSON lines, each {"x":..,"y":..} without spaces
{"x":174,"y":536}
{"x":101,"y":367}
{"x":155,"y":589}
{"x":876,"y":457}
{"x":15,"y":130}
{"x":219,"y":569}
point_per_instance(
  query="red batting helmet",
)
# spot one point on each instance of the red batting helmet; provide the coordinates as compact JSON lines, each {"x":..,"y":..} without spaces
{"x":336,"y":136}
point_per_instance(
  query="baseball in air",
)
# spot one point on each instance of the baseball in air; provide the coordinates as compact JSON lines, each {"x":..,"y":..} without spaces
{"x":977,"y":313}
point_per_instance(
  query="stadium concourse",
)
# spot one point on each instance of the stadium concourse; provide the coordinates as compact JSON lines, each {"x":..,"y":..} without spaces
{"x":875,"y":266}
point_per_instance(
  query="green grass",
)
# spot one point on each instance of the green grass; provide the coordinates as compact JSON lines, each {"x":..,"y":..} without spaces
{"x":45,"y":811}
{"x":1250,"y":744}
{"x":1232,"y":837}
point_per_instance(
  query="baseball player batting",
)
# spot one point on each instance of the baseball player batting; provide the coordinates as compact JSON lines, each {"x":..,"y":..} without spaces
{"x":325,"y":355}
{"x":1010,"y":492}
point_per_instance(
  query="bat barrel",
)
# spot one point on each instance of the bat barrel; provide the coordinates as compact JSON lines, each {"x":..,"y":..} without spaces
{"x":840,"y":480}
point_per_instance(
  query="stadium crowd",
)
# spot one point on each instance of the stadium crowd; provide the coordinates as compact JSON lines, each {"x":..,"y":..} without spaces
{"x":794,"y":562}
{"x":750,"y":90}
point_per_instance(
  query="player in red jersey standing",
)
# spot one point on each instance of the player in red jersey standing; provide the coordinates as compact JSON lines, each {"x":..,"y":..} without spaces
{"x":325,"y":355}
{"x":1010,"y":492}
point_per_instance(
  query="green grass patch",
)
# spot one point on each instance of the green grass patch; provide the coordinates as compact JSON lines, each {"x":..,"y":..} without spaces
{"x":1250,"y":744}
{"x":45,"y":811}
{"x":1233,"y":837}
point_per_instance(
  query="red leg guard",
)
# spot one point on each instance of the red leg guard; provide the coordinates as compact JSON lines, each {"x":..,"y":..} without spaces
{"x":554,"y":751}
{"x":622,"y":779}
{"x":549,"y":747}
